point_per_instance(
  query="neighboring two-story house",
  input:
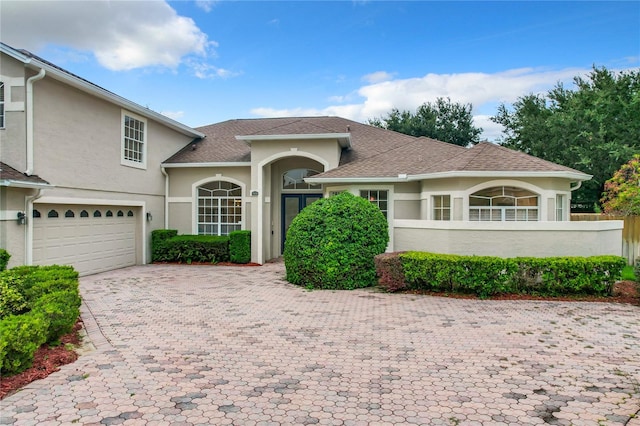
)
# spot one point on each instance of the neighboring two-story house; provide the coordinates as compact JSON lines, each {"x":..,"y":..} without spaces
{"x":86,"y":175}
{"x":80,"y":180}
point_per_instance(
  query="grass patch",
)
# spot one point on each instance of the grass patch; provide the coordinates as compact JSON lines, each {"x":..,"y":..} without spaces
{"x":627,"y":274}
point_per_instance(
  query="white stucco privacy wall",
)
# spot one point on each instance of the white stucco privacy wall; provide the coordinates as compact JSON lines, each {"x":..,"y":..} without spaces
{"x":510,"y":239}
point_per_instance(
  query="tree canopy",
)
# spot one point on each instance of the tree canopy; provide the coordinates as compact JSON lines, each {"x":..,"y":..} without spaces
{"x":593,"y":128}
{"x":622,"y":191}
{"x":442,"y":120}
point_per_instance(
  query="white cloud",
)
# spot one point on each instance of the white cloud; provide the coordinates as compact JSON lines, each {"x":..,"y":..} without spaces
{"x":377,"y":77}
{"x":206,"y":5}
{"x":203,"y":70}
{"x":484,"y":91}
{"x":122,"y":35}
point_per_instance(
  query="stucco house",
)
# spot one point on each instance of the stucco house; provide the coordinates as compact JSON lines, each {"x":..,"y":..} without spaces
{"x":94,"y":174}
{"x":80,"y":166}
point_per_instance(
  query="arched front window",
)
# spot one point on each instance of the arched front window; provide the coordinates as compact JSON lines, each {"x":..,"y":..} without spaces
{"x":294,"y":179}
{"x":503,"y":203}
{"x":219,"y":208}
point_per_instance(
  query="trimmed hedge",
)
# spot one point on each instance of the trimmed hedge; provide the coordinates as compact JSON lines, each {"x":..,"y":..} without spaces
{"x":332,"y":242}
{"x":636,"y":271}
{"x":193,"y":248}
{"x":240,"y":246}
{"x":50,"y":296}
{"x":20,"y":337}
{"x":4,"y":259}
{"x":158,"y":237}
{"x":487,"y":275}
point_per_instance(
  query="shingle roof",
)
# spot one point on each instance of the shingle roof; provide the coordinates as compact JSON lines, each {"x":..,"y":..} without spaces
{"x":221,"y":145}
{"x":374,"y":153}
{"x":8,"y":173}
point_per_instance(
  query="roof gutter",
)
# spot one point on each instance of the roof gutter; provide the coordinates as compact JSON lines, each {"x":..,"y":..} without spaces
{"x":29,"y":119}
{"x":24,"y":184}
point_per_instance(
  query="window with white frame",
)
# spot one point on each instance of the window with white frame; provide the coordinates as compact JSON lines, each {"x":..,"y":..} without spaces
{"x":559,"y":207}
{"x":219,"y":208}
{"x":134,"y":140}
{"x":441,"y":207}
{"x":378,"y":197}
{"x":2,"y":115}
{"x":503,"y":203}
{"x":294,"y":179}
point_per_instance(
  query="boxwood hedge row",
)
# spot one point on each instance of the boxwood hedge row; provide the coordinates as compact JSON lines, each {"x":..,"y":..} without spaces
{"x":488,"y":275}
{"x":168,"y":246}
{"x":38,"y":304}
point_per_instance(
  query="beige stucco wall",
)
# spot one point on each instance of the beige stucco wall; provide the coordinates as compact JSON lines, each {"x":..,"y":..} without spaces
{"x":510,"y":239}
{"x":12,"y":235}
{"x":78,"y":141}
{"x":13,"y":135}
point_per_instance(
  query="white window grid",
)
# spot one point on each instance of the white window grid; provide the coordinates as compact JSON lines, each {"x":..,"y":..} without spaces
{"x":219,"y":208}
{"x":379,"y":197}
{"x":441,"y":207}
{"x":134,"y":139}
{"x":503,"y":206}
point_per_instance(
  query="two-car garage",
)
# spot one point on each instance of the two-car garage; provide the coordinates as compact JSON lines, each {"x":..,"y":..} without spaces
{"x":92,"y":238}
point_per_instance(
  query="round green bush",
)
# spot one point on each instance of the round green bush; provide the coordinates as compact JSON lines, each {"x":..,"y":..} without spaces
{"x":332,"y":243}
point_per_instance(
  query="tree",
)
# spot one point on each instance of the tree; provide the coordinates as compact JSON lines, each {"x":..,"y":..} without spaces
{"x":442,"y":120}
{"x":622,"y":191}
{"x":593,"y":128}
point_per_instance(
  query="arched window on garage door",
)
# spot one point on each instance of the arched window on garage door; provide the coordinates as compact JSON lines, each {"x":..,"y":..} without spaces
{"x":219,"y":208}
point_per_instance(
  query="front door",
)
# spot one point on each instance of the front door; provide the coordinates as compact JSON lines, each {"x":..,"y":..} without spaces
{"x":292,"y":204}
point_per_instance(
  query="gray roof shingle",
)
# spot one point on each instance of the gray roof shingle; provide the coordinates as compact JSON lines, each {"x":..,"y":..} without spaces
{"x":10,"y":174}
{"x":374,"y":152}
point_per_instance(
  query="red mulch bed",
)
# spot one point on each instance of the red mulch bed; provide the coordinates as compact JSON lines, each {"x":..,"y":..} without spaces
{"x":48,"y":359}
{"x":623,"y":292}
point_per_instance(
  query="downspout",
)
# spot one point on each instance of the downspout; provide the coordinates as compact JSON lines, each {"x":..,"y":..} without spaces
{"x":573,"y":188}
{"x":28,"y":235}
{"x":166,"y":197}
{"x":29,"y":119}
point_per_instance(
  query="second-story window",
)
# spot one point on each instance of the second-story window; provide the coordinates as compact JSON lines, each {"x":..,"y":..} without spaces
{"x":134,"y":140}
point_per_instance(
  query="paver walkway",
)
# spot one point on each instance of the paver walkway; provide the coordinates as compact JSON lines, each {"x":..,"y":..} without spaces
{"x":232,"y":345}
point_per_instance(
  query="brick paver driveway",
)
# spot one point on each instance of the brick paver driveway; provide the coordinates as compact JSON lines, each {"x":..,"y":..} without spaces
{"x":223,"y":345}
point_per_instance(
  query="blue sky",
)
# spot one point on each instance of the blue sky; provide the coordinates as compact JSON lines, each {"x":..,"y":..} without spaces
{"x":201,"y":62}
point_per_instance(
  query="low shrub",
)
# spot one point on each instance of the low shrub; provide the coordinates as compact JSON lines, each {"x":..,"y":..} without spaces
{"x":636,"y":270}
{"x":61,"y":309}
{"x":51,"y":299}
{"x":389,"y":271}
{"x":20,"y":337}
{"x":12,"y":302}
{"x":487,"y":275}
{"x":240,"y":246}
{"x":4,"y":259}
{"x":194,"y":248}
{"x":158,"y":237}
{"x":332,"y":242}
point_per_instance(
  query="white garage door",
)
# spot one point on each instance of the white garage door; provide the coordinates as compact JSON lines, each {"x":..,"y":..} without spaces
{"x":91,"y":238}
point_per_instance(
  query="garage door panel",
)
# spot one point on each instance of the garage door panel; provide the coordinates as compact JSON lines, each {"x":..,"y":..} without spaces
{"x":93,"y":243}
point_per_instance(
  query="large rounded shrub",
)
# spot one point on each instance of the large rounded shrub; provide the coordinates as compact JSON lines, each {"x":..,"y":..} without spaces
{"x":331,"y":243}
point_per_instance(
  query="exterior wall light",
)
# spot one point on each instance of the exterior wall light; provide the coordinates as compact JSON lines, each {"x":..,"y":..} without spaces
{"x":22,"y":218}
{"x":149,"y":217}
